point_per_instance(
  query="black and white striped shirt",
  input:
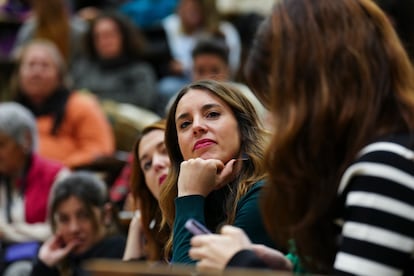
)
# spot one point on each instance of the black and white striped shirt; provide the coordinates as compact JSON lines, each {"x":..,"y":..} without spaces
{"x":377,"y":211}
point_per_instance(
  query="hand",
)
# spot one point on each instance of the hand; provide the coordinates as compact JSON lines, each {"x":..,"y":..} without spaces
{"x":213,"y":252}
{"x":53,"y":250}
{"x":273,"y":258}
{"x":134,"y":248}
{"x":200,"y":177}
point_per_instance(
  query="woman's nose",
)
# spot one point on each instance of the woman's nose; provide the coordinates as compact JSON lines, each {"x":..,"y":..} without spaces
{"x":74,"y":225}
{"x":198,"y":126}
{"x":160,"y":161}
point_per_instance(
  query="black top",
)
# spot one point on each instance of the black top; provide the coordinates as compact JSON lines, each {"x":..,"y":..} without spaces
{"x":110,"y":247}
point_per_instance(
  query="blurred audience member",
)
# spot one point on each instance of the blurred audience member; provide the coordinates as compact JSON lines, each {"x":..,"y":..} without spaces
{"x":51,"y":20}
{"x":146,"y":13}
{"x":192,"y":19}
{"x":25,"y":182}
{"x":112,"y":67}
{"x":211,"y":61}
{"x":72,"y":127}
{"x":84,"y":226}
{"x":149,"y":171}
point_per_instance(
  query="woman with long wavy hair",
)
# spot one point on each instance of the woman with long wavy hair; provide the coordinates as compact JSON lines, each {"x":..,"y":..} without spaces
{"x":150,"y":167}
{"x":216,"y":146}
{"x":340,"y":88}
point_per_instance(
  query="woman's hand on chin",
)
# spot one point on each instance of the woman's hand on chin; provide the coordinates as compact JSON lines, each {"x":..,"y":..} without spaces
{"x":200,"y":177}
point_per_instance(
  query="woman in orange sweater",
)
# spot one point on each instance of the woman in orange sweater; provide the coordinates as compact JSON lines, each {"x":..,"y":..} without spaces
{"x":72,"y":126}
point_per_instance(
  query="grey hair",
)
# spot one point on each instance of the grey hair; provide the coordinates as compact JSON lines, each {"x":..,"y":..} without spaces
{"x":16,"y":121}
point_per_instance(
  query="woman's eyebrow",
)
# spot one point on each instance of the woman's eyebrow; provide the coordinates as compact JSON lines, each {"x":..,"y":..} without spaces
{"x":203,"y":108}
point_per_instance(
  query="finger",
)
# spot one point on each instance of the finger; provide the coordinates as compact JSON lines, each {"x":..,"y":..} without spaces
{"x":200,"y":240}
{"x":231,"y":230}
{"x":196,"y":253}
{"x":227,"y":174}
{"x":70,"y":246}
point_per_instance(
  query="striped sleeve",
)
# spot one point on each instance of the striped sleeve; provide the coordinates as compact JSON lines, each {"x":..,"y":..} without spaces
{"x":378,"y":215}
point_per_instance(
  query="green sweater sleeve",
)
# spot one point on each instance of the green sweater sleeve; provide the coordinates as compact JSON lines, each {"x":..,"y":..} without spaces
{"x":248,"y":218}
{"x":185,"y":207}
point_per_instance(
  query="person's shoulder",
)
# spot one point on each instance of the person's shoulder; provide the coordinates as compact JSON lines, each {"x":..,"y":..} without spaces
{"x":254,"y":189}
{"x":114,"y":240}
{"x":171,"y":21}
{"x":82,"y":100}
{"x":111,"y":247}
{"x":78,"y":24}
{"x":392,"y":151}
{"x":45,"y":162}
{"x":81,"y":105}
{"x":390,"y":158}
{"x":140,"y":67}
{"x":227,"y":26}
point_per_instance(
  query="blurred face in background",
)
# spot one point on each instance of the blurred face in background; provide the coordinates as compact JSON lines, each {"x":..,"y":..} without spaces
{"x":191,"y":14}
{"x":12,"y":156}
{"x":210,"y":66}
{"x":108,"y":38}
{"x":38,"y":73}
{"x":154,"y":160}
{"x":75,"y":224}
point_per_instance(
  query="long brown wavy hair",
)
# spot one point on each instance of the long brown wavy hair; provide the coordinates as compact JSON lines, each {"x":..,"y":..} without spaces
{"x":253,"y":143}
{"x":148,"y":204}
{"x":335,"y":77}
{"x":53,"y":23}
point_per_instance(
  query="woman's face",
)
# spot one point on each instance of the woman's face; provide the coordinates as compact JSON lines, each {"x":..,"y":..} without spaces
{"x":206,"y":127}
{"x":74,"y":224}
{"x":9,"y":148}
{"x":154,"y":160}
{"x":210,"y":66}
{"x":38,"y":73}
{"x":108,"y":39}
{"x":191,"y":14}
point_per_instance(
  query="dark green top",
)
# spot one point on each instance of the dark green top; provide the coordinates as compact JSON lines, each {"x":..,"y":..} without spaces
{"x":248,"y":218}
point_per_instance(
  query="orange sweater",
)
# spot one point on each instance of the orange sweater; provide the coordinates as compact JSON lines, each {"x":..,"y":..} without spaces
{"x":84,"y":134}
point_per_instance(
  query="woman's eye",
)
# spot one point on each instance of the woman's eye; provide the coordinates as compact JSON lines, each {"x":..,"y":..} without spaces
{"x":146,"y":166}
{"x":62,"y":219}
{"x":83,"y":215}
{"x":184,"y":125}
{"x":213,"y":114}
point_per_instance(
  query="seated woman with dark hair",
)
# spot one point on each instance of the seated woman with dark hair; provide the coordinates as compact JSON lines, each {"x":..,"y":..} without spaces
{"x":112,"y":66}
{"x":84,"y":227}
